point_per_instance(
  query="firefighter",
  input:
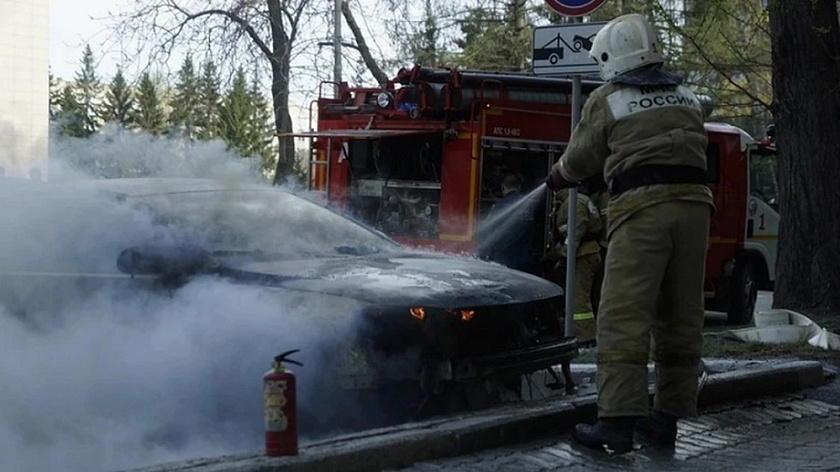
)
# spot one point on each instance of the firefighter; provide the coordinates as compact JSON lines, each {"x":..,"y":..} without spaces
{"x":644,"y":131}
{"x":596,"y":189}
{"x":587,"y":231}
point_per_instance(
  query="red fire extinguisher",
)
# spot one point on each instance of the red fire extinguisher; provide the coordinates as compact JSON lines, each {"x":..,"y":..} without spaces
{"x":279,"y":396}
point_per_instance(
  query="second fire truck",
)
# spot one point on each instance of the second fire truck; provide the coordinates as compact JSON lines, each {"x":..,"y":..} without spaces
{"x":421,"y":157}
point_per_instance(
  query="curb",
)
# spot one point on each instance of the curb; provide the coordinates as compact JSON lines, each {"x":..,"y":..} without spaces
{"x":400,"y":446}
{"x":752,"y":383}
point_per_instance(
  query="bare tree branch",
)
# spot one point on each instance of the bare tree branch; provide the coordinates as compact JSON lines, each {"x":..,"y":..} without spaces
{"x":252,"y":33}
{"x":363,"y":48}
{"x":266,"y":28}
{"x":294,"y":18}
{"x":712,"y":63}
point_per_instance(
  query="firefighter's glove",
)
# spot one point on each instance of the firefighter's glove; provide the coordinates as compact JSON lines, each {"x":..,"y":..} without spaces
{"x":555,"y":181}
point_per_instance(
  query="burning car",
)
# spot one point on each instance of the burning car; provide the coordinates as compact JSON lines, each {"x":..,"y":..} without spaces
{"x":427,"y":320}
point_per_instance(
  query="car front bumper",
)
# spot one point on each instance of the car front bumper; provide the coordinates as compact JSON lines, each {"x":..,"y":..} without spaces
{"x":363,"y":374}
{"x":518,"y":362}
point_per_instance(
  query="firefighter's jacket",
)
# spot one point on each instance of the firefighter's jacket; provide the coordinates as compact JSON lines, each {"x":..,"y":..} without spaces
{"x":601,"y":199}
{"x":615,"y":134}
{"x":588,"y":227}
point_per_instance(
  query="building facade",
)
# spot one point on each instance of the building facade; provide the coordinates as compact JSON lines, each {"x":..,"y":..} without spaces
{"x":24,"y":87}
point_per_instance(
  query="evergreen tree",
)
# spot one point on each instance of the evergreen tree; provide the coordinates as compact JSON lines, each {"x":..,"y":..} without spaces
{"x":87,"y":86}
{"x":55,"y":96}
{"x":235,"y":116}
{"x":423,"y":45}
{"x":149,"y":115}
{"x":208,"y":106}
{"x":262,"y":126}
{"x":119,"y":102}
{"x":71,"y":117}
{"x":496,"y":39}
{"x":186,"y":102}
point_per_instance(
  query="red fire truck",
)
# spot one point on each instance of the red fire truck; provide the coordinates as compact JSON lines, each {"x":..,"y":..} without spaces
{"x":421,"y":159}
{"x":742,"y":173}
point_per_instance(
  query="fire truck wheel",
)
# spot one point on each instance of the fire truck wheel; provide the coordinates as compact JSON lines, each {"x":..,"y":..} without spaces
{"x":743,"y":293}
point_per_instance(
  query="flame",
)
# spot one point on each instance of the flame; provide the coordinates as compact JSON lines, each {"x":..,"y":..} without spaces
{"x":467,"y":315}
{"x":418,"y":312}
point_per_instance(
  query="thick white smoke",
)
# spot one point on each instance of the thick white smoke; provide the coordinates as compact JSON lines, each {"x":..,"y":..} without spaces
{"x":130,"y":380}
{"x":99,"y":375}
{"x":116,"y":152}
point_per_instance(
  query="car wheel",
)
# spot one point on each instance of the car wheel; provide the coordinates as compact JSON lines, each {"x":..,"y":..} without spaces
{"x":742,"y":294}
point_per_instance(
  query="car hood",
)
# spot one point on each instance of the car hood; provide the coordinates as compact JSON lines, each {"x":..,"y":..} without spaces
{"x":405,"y":280}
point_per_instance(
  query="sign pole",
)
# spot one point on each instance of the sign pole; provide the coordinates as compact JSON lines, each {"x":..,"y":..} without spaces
{"x":563,"y":50}
{"x":337,"y":45}
{"x":571,"y":225}
{"x":571,"y":240}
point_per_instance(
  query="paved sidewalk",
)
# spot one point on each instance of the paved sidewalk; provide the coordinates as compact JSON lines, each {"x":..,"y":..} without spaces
{"x":787,"y":433}
{"x":517,"y":423}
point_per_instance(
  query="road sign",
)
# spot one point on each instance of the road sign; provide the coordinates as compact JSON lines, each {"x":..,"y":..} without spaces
{"x":575,"y":7}
{"x":564,"y":49}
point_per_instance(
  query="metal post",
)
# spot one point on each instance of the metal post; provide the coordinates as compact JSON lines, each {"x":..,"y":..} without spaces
{"x":337,"y":45}
{"x":571,"y":241}
{"x":329,"y":167}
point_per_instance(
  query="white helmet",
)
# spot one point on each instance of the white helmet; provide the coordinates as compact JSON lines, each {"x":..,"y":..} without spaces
{"x":625,"y":43}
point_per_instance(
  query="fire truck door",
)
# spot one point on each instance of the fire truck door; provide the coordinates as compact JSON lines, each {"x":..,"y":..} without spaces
{"x":762,"y":207}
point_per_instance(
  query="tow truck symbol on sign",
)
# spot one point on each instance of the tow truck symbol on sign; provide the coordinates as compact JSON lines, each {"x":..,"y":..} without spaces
{"x":553,"y":50}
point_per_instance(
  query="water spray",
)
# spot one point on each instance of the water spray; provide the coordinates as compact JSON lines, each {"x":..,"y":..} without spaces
{"x":495,"y":227}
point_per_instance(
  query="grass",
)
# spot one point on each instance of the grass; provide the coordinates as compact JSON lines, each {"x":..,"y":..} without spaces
{"x":716,"y":346}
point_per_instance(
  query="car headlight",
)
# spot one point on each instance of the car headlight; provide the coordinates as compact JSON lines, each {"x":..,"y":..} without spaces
{"x":464,"y":315}
{"x":384,"y":100}
{"x":418,"y":312}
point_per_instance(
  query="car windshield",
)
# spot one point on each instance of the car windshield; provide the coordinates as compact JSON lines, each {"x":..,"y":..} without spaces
{"x":264,"y":220}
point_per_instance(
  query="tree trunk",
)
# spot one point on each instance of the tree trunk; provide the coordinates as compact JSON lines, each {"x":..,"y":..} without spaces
{"x":282,"y":124}
{"x":280,"y":67}
{"x":370,"y":62}
{"x":520,"y":22}
{"x":806,"y":77}
{"x":519,"y":19}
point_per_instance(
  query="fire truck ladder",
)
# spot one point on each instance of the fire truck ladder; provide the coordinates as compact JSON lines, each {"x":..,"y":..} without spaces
{"x":315,"y":161}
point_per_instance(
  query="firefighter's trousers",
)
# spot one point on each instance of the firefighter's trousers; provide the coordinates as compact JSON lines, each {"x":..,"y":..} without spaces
{"x":584,"y":318}
{"x":598,"y":282}
{"x":653,"y":286}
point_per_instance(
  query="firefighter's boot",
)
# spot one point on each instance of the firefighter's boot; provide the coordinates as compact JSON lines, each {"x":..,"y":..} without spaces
{"x":658,"y":431}
{"x":615,"y":435}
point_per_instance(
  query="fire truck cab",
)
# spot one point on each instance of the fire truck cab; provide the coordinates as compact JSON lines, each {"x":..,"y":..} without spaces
{"x":421,"y":159}
{"x":743,"y":240}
